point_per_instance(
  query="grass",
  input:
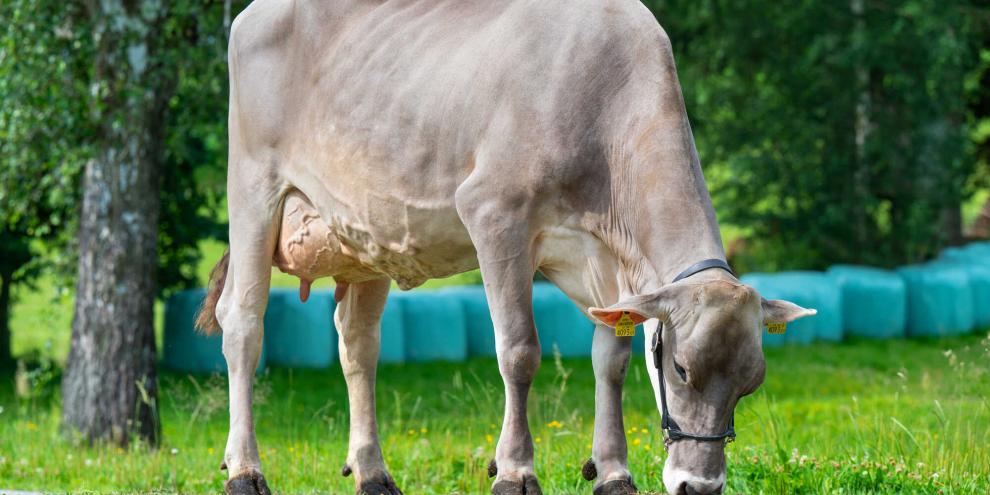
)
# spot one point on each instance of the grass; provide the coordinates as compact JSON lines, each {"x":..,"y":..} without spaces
{"x":862,"y":417}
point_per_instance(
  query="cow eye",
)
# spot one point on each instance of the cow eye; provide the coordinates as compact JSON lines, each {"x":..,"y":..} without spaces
{"x":680,"y":371}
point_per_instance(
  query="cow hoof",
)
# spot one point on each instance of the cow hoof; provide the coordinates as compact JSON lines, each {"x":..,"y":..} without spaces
{"x":528,"y":486}
{"x":252,"y":483}
{"x":589,"y":471}
{"x":616,"y":487}
{"x":382,"y":486}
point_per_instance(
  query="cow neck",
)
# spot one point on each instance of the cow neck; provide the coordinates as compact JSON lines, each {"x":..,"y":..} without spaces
{"x":674,"y":227}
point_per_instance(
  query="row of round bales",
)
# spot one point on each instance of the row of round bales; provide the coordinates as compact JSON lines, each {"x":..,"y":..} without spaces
{"x":450,"y":324}
{"x":948,"y":296}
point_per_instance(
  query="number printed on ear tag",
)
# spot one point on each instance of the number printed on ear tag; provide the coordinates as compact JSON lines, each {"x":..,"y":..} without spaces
{"x":625,"y":327}
{"x":776,"y":328}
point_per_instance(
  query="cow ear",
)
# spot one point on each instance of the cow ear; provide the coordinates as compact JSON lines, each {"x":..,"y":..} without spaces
{"x":779,"y":311}
{"x":640,"y":308}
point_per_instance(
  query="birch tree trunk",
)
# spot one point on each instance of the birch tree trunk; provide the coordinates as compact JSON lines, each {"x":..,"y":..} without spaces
{"x":109,"y":390}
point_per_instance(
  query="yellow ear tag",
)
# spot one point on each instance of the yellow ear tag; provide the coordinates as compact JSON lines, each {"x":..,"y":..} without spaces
{"x":776,"y":328}
{"x":625,"y":326}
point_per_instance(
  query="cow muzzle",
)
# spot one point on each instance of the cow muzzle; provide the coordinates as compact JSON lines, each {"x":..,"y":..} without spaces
{"x":695,"y":468}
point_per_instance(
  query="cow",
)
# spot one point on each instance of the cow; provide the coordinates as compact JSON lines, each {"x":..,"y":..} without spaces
{"x":403,"y":140}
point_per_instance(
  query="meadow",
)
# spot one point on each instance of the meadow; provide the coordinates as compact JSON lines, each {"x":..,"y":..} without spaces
{"x":905,"y":416}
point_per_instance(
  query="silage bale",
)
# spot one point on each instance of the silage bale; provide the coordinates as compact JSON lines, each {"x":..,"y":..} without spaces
{"x":298,"y":334}
{"x":940,"y":301}
{"x":975,"y":253}
{"x":435,"y":326}
{"x":978,"y":276}
{"x":393,"y":333}
{"x":184,"y":348}
{"x":560,"y":323}
{"x":874,"y":301}
{"x":813,"y":290}
{"x":478,"y":318}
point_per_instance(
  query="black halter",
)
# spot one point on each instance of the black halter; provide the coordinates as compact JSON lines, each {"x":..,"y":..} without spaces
{"x":673,"y":432}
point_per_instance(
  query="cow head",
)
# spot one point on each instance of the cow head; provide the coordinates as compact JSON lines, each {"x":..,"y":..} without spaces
{"x":711,"y":357}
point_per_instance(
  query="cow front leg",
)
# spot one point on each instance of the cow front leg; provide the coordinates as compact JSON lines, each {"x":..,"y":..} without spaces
{"x":358,"y":319}
{"x":518,"y":350}
{"x":501,"y":236}
{"x":610,"y":359}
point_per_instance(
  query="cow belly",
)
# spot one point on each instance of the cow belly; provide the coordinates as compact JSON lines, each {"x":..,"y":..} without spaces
{"x":310,"y":248}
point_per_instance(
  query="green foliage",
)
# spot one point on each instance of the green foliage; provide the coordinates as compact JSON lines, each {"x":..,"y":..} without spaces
{"x":830,"y":132}
{"x":864,"y":417}
{"x":43,"y":124}
{"x":193,"y":171}
{"x":50,"y":111}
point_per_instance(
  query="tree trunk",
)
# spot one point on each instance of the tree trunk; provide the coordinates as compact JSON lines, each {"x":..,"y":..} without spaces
{"x":6,"y":358}
{"x":862,"y":126}
{"x":109,"y":390}
{"x":952,"y":225}
{"x":980,"y":228}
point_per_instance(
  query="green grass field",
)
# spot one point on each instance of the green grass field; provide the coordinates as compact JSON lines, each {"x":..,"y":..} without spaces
{"x":861,"y":417}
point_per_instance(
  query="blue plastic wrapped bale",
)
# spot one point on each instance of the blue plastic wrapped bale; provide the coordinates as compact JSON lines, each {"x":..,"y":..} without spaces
{"x":560,"y":323}
{"x":972,"y":254}
{"x":874,"y":301}
{"x":300,"y":334}
{"x":639,"y":342}
{"x":939,"y":300}
{"x":435,"y":326}
{"x":478,"y":318}
{"x":185,"y":349}
{"x":978,"y":276}
{"x":813,"y":290}
{"x":393,"y":333}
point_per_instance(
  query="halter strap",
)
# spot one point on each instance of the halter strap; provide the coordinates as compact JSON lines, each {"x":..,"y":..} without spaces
{"x":672,"y":431}
{"x":702,"y":266}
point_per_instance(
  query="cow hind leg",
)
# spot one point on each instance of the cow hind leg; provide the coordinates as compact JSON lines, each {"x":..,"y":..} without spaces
{"x":503,"y":241}
{"x":240,"y":312}
{"x":358,"y":319}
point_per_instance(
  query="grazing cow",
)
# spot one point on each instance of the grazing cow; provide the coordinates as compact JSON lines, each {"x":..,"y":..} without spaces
{"x":379,"y":140}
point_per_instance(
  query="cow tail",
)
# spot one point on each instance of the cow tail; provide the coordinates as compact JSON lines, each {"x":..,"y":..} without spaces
{"x":206,"y":319}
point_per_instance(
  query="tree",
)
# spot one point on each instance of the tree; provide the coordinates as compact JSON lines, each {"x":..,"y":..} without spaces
{"x":830,"y":132}
{"x":47,"y":131}
{"x":150,"y":194}
{"x":109,"y":388}
{"x":42,"y":126}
